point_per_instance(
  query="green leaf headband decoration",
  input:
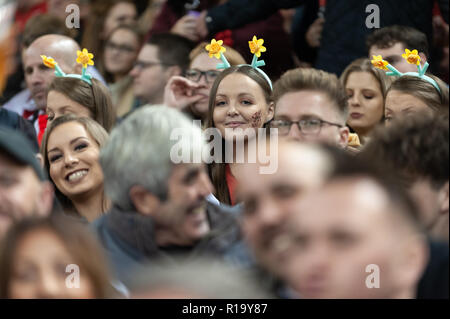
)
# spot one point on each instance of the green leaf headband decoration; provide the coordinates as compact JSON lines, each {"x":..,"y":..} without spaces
{"x":215,"y":49}
{"x":412,"y":57}
{"x":83,"y":57}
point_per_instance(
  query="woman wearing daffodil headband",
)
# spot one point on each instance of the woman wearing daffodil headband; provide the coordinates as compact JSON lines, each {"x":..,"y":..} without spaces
{"x":79,"y":94}
{"x":413,"y":92}
{"x":240,"y":99}
{"x":365,"y":86}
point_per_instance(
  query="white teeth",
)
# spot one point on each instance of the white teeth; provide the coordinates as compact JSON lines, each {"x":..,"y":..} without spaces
{"x":77,"y":175}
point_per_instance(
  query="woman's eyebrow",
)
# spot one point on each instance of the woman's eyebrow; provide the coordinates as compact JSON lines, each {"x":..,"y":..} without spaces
{"x":71,"y":142}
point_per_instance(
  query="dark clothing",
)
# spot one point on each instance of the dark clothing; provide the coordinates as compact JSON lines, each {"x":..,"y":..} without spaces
{"x":16,"y":122}
{"x":271,"y":30}
{"x":435,"y":280}
{"x":128,"y":238}
{"x":344,"y":32}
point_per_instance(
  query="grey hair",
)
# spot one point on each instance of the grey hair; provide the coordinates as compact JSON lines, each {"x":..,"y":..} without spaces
{"x":202,"y":277}
{"x":139,"y":152}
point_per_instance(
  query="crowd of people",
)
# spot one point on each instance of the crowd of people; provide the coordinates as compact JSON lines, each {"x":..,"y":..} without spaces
{"x":135,"y":149}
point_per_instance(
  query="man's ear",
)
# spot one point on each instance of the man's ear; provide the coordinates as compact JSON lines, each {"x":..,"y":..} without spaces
{"x":414,"y":257}
{"x":270,"y":112}
{"x":40,"y":159}
{"x":423,"y":58}
{"x":344,"y":132}
{"x":173,"y":70}
{"x":145,"y":202}
{"x":78,"y":68}
{"x":443,"y":199}
{"x":46,"y":199}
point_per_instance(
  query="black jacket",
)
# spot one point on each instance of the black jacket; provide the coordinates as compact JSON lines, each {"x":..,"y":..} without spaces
{"x":128,"y":238}
{"x":345,"y":30}
{"x":16,"y":122}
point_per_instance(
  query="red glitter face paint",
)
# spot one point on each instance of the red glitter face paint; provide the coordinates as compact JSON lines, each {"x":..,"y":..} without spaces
{"x":256,"y":120}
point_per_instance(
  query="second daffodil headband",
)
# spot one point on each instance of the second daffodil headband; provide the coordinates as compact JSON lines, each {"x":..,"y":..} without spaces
{"x":83,"y":57}
{"x":215,"y":49}
{"x":412,"y":57}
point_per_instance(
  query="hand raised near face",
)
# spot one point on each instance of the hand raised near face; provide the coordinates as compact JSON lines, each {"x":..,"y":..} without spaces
{"x":181,"y":92}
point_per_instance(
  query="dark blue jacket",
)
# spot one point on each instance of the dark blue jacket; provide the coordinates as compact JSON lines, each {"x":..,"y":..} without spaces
{"x":15,"y":122}
{"x":345,"y":31}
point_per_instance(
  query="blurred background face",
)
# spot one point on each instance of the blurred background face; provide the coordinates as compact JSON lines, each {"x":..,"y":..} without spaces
{"x":121,"y":13}
{"x":8,"y":45}
{"x":17,"y":183}
{"x":149,"y":75}
{"x":399,"y":104}
{"x":59,"y":104}
{"x":121,"y":50}
{"x":335,"y":233}
{"x":394,"y":56}
{"x":308,"y":105}
{"x":39,"y":269}
{"x":365,"y":101}
{"x":184,"y":212}
{"x":37,"y":76}
{"x":203,"y":63}
{"x":240,"y":104}
{"x":270,"y":198}
{"x":429,"y":200}
{"x":58,"y":7}
{"x":73,"y":158}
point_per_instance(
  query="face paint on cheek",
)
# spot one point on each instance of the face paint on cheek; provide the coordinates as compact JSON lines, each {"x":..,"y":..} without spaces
{"x":256,"y":120}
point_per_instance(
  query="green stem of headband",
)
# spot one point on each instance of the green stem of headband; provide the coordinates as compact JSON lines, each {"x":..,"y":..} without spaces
{"x":225,"y":64}
{"x":394,"y":71}
{"x":256,"y":63}
{"x":423,"y":69}
{"x":420,"y":74}
{"x":59,"y":72}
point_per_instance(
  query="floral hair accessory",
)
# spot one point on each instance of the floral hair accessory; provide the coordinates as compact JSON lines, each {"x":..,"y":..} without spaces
{"x":84,"y":58}
{"x":215,"y":49}
{"x":412,"y":57}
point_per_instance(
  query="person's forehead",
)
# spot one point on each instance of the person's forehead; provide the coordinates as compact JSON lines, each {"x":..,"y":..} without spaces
{"x":181,"y":169}
{"x":11,"y":166}
{"x":238,"y":83}
{"x":297,"y":166}
{"x":66,"y":132}
{"x":397,"y":49}
{"x":297,"y":104}
{"x":362,"y":80}
{"x":357,"y":206}
{"x":204,"y":63}
{"x":149,"y":51}
{"x":123,"y":36}
{"x":396,"y":100}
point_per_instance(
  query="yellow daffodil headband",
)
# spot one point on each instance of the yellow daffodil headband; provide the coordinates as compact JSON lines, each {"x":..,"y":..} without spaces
{"x":83,"y":57}
{"x":412,"y":57}
{"x":215,"y":49}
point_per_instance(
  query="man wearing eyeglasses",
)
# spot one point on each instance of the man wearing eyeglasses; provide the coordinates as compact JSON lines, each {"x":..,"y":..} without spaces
{"x":163,"y":56}
{"x":311,"y":105}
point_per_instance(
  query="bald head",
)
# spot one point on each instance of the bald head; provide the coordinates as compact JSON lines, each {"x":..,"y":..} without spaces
{"x":62,"y":48}
{"x":37,"y":76}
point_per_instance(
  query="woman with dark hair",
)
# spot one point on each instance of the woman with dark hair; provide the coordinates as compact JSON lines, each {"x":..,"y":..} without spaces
{"x":52,"y":258}
{"x":240,"y":98}
{"x":68,"y":95}
{"x":70,"y":149}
